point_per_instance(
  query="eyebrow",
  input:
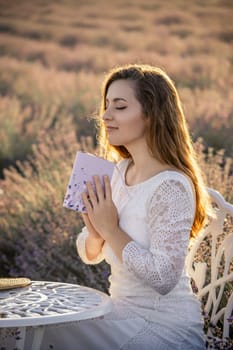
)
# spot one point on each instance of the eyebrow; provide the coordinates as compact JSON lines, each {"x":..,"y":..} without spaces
{"x":116,"y":99}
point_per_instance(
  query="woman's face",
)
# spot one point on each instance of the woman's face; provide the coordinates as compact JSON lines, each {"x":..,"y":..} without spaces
{"x":123,"y":117}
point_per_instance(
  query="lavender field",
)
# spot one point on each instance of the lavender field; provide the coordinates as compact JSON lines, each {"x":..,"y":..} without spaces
{"x":53,"y":57}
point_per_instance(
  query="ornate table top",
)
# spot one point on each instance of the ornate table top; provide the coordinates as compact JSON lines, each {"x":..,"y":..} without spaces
{"x":51,"y":302}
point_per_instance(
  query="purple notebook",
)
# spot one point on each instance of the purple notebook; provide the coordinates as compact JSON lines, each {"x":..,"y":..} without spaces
{"x":85,"y":166}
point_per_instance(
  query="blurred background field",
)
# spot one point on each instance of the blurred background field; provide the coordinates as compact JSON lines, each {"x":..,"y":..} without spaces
{"x":53,"y":57}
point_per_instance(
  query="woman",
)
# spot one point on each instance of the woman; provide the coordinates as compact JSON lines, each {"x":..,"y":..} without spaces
{"x":142,"y":223}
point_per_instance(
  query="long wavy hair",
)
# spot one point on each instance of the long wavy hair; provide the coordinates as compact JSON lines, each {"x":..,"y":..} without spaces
{"x":168,"y":137}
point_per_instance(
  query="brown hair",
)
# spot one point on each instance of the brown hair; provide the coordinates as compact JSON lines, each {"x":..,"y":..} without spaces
{"x":168,"y":137}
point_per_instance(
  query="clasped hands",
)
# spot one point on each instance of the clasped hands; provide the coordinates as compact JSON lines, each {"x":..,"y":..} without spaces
{"x":102,"y":216}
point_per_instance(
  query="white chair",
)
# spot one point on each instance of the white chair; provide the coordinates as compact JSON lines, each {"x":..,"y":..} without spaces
{"x":210,"y":265}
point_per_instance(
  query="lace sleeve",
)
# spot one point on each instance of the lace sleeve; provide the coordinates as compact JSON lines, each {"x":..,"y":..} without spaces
{"x":169,"y":220}
{"x":81,"y":249}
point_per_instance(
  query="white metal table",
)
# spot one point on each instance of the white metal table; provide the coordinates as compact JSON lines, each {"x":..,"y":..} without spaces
{"x":45,"y":303}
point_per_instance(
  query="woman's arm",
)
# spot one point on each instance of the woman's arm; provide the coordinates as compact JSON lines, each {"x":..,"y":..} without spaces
{"x":94,"y":242}
{"x":170,"y":217}
{"x":89,"y":243}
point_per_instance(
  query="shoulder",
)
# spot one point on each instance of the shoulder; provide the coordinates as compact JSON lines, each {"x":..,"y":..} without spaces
{"x":173,"y":178}
{"x":171,"y":202}
{"x":172,"y":185}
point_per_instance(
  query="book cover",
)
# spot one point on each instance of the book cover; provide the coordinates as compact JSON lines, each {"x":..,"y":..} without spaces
{"x":85,"y":166}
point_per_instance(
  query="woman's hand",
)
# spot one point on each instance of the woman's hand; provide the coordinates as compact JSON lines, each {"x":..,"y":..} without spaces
{"x":103,"y":216}
{"x":92,"y":232}
{"x":94,"y":241}
{"x":101,"y":211}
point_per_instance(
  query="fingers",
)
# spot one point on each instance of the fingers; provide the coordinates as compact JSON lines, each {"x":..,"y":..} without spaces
{"x":87,"y":203}
{"x":91,"y":193}
{"x":92,"y":197}
{"x":99,"y":188}
{"x":107,"y":185}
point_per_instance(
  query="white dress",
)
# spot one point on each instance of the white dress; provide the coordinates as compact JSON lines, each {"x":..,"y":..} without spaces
{"x":154,"y":306}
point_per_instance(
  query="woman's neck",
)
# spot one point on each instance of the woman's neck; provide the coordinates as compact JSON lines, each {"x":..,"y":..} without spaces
{"x":143,"y":166}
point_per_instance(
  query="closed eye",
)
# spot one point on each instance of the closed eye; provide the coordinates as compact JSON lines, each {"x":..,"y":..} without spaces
{"x":121,"y":107}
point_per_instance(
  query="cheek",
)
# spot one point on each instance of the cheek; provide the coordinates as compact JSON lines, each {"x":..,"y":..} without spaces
{"x":137,"y":124}
{"x":134,"y":118}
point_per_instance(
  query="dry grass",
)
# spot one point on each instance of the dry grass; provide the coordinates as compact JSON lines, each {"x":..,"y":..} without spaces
{"x":37,"y":234}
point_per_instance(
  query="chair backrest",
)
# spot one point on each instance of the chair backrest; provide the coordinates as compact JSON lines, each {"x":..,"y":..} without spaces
{"x":210,"y":265}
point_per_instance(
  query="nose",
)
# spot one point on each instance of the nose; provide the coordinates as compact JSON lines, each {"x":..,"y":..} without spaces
{"x":107,"y":115}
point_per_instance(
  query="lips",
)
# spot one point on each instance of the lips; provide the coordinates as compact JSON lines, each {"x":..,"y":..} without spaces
{"x":111,"y":128}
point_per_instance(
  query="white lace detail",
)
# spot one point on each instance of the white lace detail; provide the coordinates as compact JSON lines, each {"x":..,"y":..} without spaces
{"x":169,"y":221}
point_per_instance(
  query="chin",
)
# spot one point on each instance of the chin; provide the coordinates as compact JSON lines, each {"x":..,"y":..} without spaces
{"x":112,"y":143}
